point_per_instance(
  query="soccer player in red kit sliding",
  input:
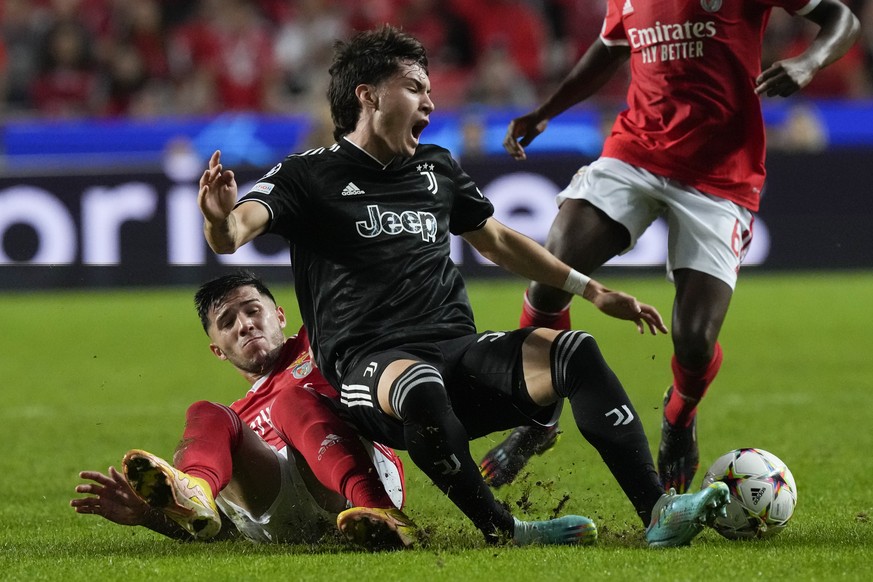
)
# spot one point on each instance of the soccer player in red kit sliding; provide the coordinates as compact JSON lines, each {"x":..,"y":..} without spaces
{"x":280,"y":463}
{"x":690,"y":147}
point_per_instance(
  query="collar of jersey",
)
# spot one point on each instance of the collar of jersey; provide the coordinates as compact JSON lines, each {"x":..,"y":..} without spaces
{"x":361,"y":154}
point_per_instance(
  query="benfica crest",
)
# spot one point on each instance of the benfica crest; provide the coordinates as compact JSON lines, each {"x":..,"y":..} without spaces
{"x":302,"y":370}
{"x":301,"y":367}
{"x":711,"y":5}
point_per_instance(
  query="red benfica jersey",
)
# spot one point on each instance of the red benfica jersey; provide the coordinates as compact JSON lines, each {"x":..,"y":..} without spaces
{"x":693,"y":114}
{"x":294,"y":368}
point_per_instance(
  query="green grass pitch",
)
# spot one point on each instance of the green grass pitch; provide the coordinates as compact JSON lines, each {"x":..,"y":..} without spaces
{"x":88,"y":375}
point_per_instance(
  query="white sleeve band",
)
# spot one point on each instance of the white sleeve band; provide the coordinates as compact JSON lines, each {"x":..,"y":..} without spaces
{"x":576,"y":282}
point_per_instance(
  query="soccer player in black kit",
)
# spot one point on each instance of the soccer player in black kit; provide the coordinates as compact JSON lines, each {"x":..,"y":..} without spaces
{"x":369,"y":220}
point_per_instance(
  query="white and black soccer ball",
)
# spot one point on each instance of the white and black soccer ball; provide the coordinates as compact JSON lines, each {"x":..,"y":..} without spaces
{"x":763,"y":493}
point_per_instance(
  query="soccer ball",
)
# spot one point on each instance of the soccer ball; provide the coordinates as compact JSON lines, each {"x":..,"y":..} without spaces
{"x":763,"y":493}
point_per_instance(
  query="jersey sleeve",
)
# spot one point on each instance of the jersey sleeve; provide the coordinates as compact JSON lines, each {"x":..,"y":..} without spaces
{"x":283,"y":191}
{"x":470,"y":208}
{"x":613,"y":33}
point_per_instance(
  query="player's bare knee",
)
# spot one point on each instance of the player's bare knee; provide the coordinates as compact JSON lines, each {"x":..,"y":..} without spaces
{"x":536,"y":364}
{"x":694,"y":350}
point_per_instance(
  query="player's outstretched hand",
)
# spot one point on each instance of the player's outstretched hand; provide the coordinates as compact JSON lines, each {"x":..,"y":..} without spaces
{"x":521,"y":132}
{"x":624,"y":306}
{"x":112,"y":498}
{"x":218,"y":191}
{"x":784,"y":78}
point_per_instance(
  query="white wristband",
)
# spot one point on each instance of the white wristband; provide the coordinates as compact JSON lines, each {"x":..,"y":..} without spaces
{"x":576,"y":282}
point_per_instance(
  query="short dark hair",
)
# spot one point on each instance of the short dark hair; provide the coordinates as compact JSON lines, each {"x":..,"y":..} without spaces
{"x":368,"y":58}
{"x":213,"y":292}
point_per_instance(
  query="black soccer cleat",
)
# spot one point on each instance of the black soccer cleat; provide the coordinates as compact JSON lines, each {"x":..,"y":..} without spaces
{"x":678,"y":454}
{"x":502,"y":464}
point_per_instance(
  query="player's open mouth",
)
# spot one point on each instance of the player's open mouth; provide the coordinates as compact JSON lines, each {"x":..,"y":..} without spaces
{"x":418,"y":127}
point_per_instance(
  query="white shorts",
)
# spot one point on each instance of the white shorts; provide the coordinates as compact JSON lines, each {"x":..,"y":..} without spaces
{"x":295,"y":516}
{"x":706,"y":233}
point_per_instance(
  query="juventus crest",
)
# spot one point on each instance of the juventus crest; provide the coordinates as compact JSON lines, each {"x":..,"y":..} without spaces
{"x":426,"y":170}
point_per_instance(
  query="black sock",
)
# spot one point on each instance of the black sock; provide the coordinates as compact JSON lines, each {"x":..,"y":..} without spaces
{"x":438,"y":444}
{"x":606,"y":417}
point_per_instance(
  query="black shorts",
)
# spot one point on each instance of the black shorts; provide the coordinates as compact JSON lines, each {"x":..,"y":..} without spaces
{"x":482,"y":374}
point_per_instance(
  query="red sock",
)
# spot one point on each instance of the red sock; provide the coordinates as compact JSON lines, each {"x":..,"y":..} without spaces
{"x":531,"y":316}
{"x":212,"y":432}
{"x":331,"y":448}
{"x":688,"y":389}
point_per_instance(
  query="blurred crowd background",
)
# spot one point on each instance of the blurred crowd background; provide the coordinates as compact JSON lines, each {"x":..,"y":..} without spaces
{"x":63,"y":59}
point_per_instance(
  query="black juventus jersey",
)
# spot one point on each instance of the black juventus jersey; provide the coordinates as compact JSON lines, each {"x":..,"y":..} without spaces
{"x":370,"y":246}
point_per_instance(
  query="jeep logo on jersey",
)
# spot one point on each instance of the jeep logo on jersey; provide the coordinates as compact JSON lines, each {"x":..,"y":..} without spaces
{"x":393,"y":223}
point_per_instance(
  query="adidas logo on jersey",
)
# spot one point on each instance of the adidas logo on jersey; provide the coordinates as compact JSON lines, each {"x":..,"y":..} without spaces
{"x":627,"y":9}
{"x":352,"y":190}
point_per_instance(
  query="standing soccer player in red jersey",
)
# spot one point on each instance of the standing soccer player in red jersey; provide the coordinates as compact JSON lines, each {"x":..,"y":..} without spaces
{"x":280,"y":464}
{"x":690,"y":147}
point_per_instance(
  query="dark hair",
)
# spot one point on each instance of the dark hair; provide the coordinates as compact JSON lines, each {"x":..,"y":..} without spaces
{"x":368,"y":58}
{"x":213,"y":292}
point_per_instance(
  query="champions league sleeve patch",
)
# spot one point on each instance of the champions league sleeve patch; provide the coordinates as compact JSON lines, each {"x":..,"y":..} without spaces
{"x":273,"y":170}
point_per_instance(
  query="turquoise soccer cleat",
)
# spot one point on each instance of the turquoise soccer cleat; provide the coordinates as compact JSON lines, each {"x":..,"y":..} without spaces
{"x":677,"y":519}
{"x":569,"y":529}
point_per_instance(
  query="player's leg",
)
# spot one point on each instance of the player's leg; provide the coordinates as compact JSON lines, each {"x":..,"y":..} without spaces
{"x":217,"y":452}
{"x":569,"y":365}
{"x":489,"y":395}
{"x":382,"y":528}
{"x":607,"y":419}
{"x":699,"y":310}
{"x":708,"y":238}
{"x":335,"y":455}
{"x":602,"y":213}
{"x":438,"y":443}
{"x":415,"y":413}
{"x":415,"y":393}
{"x":585,"y":238}
{"x":302,"y":508}
{"x":332,"y":449}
